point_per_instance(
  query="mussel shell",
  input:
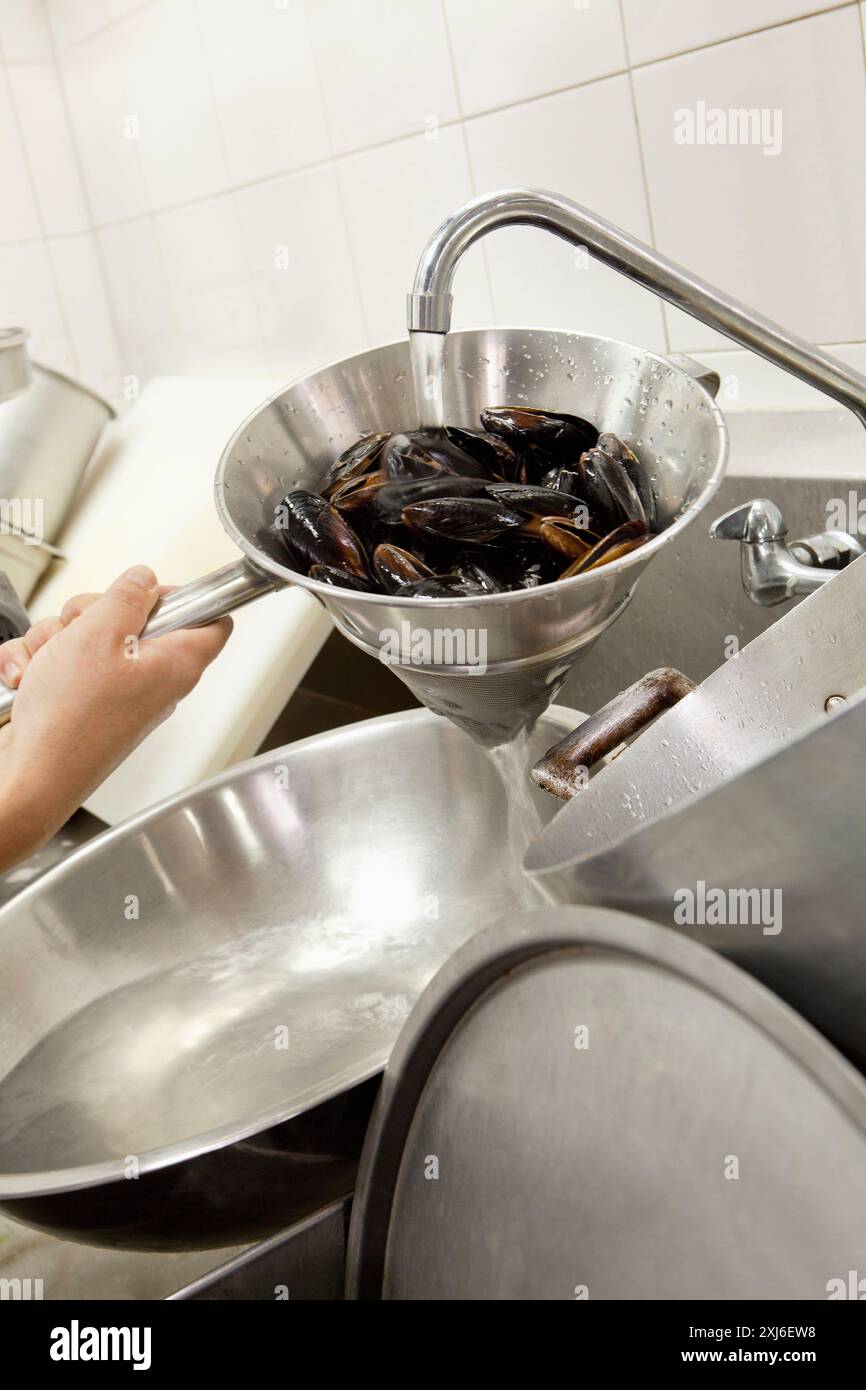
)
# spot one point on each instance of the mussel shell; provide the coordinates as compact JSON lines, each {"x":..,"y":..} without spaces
{"x":314,"y":533}
{"x":613,"y":445}
{"x":422,"y":452}
{"x":495,"y":455}
{"x":554,"y":433}
{"x":611,"y":494}
{"x":360,"y":457}
{"x":339,"y":579}
{"x":395,"y":567}
{"x":472,"y":520}
{"x":566,"y":537}
{"x":565,"y":480}
{"x":393,"y":497}
{"x":536,"y":501}
{"x":519,"y":561}
{"x":353,"y":494}
{"x":621,"y":541}
{"x":468,"y":568}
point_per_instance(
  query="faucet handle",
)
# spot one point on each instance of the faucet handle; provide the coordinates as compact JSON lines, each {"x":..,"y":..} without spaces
{"x":774,"y":569}
{"x":754,"y":522}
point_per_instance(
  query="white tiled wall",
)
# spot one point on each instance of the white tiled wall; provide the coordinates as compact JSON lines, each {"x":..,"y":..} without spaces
{"x":244,"y":186}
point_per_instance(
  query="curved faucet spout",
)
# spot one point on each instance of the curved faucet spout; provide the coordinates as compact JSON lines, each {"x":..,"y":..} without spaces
{"x":429,"y":303}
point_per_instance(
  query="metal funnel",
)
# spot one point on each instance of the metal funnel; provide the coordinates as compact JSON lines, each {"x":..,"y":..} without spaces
{"x":491,"y":664}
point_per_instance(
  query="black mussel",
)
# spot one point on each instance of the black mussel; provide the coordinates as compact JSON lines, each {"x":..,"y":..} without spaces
{"x":422,"y":452}
{"x":567,"y":537}
{"x":393,"y":497}
{"x":395,"y":567}
{"x":339,"y":579}
{"x":469,"y":569}
{"x":361,"y":457}
{"x":537,"y":501}
{"x":476,"y":520}
{"x":314,"y":533}
{"x":613,"y":445}
{"x":621,"y":541}
{"x":441,"y":586}
{"x":558,"y":435}
{"x":495,"y":455}
{"x":565,"y":480}
{"x":608,"y":489}
{"x":353,"y":494}
{"x":516,"y":555}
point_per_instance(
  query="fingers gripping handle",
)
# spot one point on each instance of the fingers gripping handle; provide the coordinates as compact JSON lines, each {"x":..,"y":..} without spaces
{"x":193,"y":605}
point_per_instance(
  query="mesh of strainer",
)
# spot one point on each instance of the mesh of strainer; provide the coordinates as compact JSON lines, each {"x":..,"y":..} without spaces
{"x":494,"y":706}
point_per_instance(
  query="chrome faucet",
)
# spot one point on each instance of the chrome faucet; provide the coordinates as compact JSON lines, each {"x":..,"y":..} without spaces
{"x":773,"y":568}
{"x":429,"y":303}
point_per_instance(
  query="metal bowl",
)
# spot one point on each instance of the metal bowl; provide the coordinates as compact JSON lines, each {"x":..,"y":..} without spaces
{"x":197,"y":1004}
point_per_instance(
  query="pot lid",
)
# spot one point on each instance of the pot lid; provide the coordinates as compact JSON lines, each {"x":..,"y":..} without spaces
{"x":583,"y":1104}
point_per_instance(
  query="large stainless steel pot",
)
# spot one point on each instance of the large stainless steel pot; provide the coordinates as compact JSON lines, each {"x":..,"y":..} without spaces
{"x":753,"y":781}
{"x":15,"y":370}
{"x":47,"y":438}
{"x":192,"y":1001}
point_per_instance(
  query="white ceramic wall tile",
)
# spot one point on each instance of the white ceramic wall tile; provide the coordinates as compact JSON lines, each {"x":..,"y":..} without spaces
{"x":394,"y":198}
{"x":100,"y":107}
{"x":143,"y":311}
{"x":179,"y":142}
{"x":508,"y":50}
{"x":29,"y":298}
{"x":211,"y":287}
{"x":782,"y":232}
{"x":82,"y":292}
{"x":265,"y":86}
{"x":50,"y":151}
{"x":664,"y":27}
{"x":298,"y":254}
{"x":19,"y":218}
{"x":385,"y":68}
{"x":553,"y":143}
{"x":24,"y":33}
{"x":74,"y":20}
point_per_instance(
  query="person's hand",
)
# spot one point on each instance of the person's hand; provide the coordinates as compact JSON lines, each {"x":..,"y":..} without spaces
{"x":87,"y":693}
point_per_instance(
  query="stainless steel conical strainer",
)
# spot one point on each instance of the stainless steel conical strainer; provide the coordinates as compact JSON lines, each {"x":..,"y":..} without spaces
{"x":520,"y":645}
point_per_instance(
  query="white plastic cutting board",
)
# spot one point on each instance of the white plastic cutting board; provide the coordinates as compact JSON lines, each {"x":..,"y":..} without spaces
{"x":148,"y":498}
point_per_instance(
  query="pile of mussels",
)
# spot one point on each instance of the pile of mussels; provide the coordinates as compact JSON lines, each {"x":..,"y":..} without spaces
{"x":533,"y":497}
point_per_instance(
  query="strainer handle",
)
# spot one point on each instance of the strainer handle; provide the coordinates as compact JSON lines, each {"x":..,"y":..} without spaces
{"x":562,"y":771}
{"x":193,"y":605}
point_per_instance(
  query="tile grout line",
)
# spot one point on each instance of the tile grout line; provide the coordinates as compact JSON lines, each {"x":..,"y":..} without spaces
{"x":237,"y":220}
{"x":643,"y":169}
{"x":332,"y":163}
{"x":43,"y":239}
{"x":85,"y":192}
{"x":464,"y":135}
{"x":746,"y":34}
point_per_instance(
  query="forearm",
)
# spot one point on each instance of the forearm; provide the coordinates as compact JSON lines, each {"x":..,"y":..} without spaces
{"x":30,"y":810}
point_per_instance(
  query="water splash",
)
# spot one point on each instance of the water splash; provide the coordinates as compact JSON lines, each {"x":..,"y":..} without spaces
{"x":512,"y":761}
